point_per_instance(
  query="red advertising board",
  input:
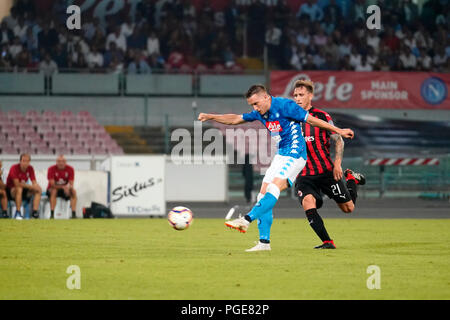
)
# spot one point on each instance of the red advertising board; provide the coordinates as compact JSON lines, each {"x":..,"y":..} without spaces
{"x":378,"y":90}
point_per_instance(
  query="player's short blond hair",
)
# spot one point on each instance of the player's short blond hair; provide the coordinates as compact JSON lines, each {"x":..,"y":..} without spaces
{"x":308,"y":84}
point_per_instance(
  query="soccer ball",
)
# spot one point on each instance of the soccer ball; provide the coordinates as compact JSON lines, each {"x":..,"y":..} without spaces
{"x":180,"y":218}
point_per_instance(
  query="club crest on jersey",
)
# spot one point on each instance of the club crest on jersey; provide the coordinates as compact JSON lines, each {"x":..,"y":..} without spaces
{"x":273,"y":126}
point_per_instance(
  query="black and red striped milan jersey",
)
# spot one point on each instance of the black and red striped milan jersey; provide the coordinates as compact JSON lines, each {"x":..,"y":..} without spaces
{"x":317,"y":145}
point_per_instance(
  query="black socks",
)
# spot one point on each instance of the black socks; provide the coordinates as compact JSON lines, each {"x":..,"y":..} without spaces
{"x":352,"y":189}
{"x":316,"y":223}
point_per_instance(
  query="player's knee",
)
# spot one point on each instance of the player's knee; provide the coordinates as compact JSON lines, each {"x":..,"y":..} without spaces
{"x":309,"y":202}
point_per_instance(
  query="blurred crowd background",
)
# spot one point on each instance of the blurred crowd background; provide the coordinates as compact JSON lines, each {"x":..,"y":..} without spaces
{"x":183,"y":36}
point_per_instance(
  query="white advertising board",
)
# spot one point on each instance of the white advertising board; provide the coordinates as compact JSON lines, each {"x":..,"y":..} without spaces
{"x":138,"y":185}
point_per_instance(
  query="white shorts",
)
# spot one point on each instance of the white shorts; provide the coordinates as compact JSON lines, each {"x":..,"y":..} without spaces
{"x":284,"y":167}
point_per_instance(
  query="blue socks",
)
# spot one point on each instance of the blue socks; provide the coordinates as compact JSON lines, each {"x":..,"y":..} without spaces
{"x":264,"y":226}
{"x":262,"y":211}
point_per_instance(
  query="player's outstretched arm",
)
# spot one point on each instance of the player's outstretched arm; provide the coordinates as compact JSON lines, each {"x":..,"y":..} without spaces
{"x":346,"y":133}
{"x":222,"y":118}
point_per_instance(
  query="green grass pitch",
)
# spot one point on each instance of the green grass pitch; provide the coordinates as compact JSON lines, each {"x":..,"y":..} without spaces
{"x":147,"y":259}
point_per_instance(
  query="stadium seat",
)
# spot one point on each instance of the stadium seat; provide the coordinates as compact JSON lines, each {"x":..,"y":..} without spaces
{"x":50,"y":135}
{"x":201,"y":68}
{"x":44,"y":127}
{"x":26,"y":130}
{"x":61,"y":128}
{"x":62,"y":150}
{"x":49,"y":114}
{"x":9,"y":129}
{"x":84,"y":114}
{"x":186,"y":69}
{"x":92,"y":144}
{"x":80,"y":150}
{"x":68,"y":135}
{"x":73,"y":143}
{"x":43,"y":150}
{"x":32,"y":137}
{"x":9,"y":149}
{"x":79,"y":128}
{"x":52,"y":120}
{"x":218,"y":68}
{"x":32,"y":114}
{"x":67,"y":113}
{"x":99,"y":151}
{"x":37,"y":120}
{"x":85,"y":135}
{"x":56,"y":143}
{"x":14,"y":114}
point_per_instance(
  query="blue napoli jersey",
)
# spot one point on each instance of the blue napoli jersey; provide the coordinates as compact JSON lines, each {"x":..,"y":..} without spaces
{"x":283,"y":122}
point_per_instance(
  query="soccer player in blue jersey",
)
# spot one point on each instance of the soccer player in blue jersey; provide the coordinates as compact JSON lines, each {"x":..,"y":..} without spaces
{"x":282,"y":117}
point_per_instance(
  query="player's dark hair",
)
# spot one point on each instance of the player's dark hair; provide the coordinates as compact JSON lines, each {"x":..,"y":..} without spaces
{"x":254,"y":89}
{"x":24,"y":155}
{"x":307,"y":84}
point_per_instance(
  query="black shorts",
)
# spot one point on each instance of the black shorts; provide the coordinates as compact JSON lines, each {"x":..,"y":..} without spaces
{"x":25,"y":194}
{"x":59,"y":194}
{"x":319,"y":185}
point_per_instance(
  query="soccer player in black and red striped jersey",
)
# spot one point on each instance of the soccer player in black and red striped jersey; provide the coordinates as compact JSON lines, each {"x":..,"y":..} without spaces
{"x":321,"y":174}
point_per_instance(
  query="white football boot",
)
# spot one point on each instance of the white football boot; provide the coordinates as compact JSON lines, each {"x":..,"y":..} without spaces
{"x":260,"y":247}
{"x":239,"y":224}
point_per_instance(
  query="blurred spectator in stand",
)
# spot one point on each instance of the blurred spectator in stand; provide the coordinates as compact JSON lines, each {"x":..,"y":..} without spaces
{"x":372,"y":57}
{"x":152,"y":44}
{"x":139,"y":65}
{"x":424,"y":61}
{"x":60,"y":57}
{"x":25,"y":7}
{"x":344,"y":64}
{"x":118,"y":38}
{"x":333,"y":11}
{"x":6,"y":34}
{"x":115,"y":66}
{"x":15,"y":48}
{"x":320,"y":38}
{"x":332,"y":48}
{"x":48,"y":37}
{"x":329,"y":63}
{"x":407,"y":59}
{"x":440,"y":58}
{"x":111,"y":54}
{"x":310,"y":9}
{"x":95,"y":59}
{"x":127,"y":27}
{"x":273,"y":39}
{"x":23,"y":61}
{"x":309,"y":63}
{"x":31,"y":41}
{"x":5,"y":58}
{"x":303,"y":37}
{"x":20,"y":30}
{"x":409,"y":11}
{"x":137,"y":40}
{"x":390,"y":40}
{"x":256,"y":27}
{"x":176,"y":59}
{"x":228,"y":57}
{"x":355,"y":57}
{"x":345,"y":47}
{"x":364,"y":65}
{"x":48,"y":67}
{"x":373,"y":40}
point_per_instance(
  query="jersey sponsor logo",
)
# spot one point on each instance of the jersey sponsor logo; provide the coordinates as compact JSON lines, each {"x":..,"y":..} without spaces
{"x":273,"y":126}
{"x":309,"y":138}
